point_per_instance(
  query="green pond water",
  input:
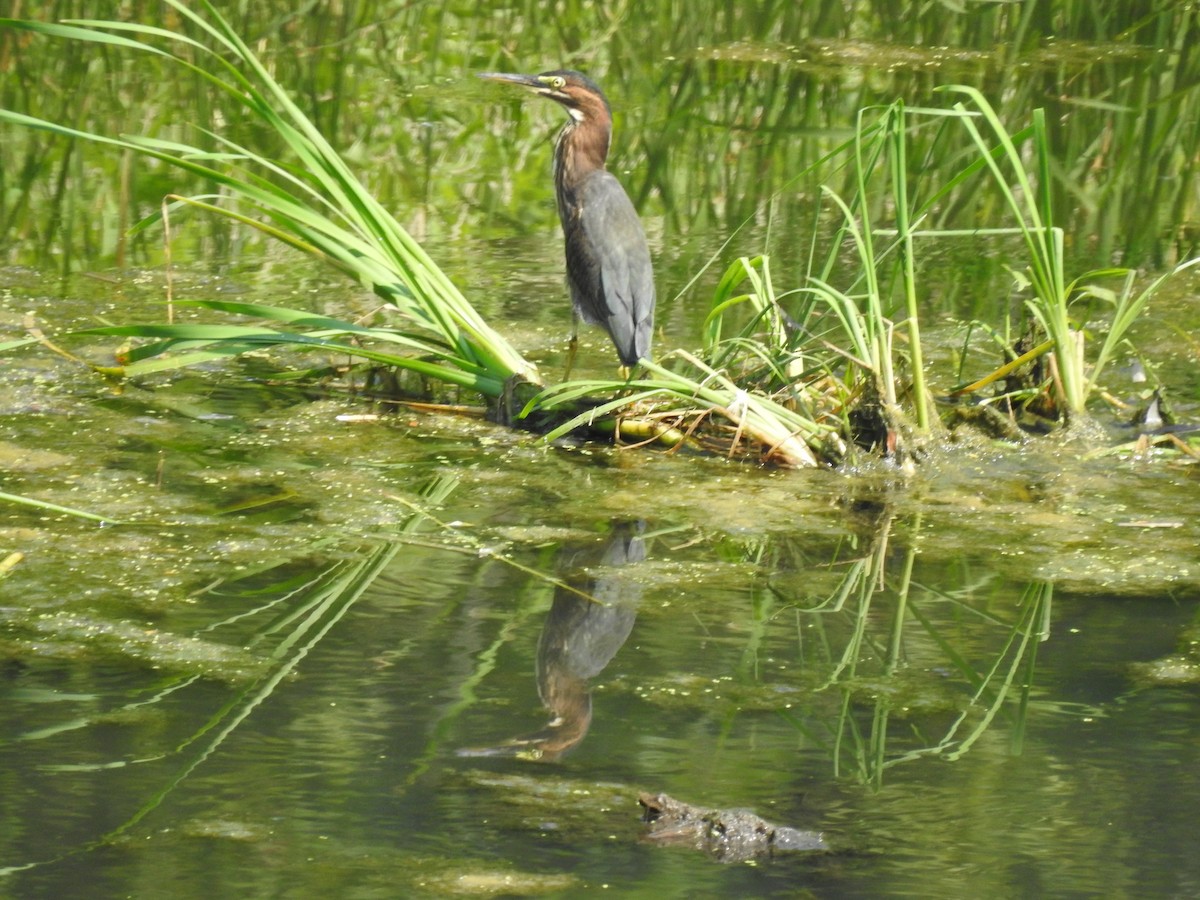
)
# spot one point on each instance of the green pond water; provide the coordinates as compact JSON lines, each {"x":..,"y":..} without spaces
{"x":323,"y":647}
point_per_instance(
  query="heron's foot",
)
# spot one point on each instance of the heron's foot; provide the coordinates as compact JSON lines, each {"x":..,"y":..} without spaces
{"x":517,"y":392}
{"x":505,"y":402}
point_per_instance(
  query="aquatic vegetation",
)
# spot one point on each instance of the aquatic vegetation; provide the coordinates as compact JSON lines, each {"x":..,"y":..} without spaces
{"x":858,"y":369}
{"x":312,"y":202}
{"x":1052,"y":295}
{"x":811,"y":376}
{"x":966,"y":639}
{"x":315,"y":204}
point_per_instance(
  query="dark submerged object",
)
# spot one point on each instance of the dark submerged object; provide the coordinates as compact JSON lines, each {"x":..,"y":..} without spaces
{"x":727,"y":835}
{"x":608,"y":261}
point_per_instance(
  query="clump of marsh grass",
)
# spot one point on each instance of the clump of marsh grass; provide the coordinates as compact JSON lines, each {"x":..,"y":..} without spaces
{"x":846,"y":345}
{"x":830,"y":346}
{"x":1028,"y":197}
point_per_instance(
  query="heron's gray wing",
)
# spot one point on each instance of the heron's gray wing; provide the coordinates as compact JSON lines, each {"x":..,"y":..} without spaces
{"x":608,"y":265}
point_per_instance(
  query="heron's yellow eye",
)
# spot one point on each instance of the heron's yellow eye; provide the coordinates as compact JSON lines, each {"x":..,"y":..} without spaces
{"x":558,"y":82}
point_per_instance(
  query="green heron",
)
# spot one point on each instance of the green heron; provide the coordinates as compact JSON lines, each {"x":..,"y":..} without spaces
{"x":608,"y":262}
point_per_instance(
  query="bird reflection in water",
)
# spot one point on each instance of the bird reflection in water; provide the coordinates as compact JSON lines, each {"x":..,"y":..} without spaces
{"x":579,"y":638}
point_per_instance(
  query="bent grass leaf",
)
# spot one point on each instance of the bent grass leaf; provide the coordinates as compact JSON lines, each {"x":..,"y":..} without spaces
{"x":33,"y":503}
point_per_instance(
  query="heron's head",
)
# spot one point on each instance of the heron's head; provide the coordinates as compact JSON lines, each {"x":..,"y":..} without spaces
{"x":578,"y":94}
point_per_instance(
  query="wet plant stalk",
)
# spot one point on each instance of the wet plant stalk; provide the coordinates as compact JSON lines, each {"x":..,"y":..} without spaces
{"x":897,"y":133}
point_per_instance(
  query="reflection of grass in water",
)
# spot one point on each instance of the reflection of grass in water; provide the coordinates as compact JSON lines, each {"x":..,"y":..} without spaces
{"x":870,"y":667}
{"x":33,"y":503}
{"x":870,"y":670}
{"x":303,"y":615}
{"x":325,"y":601}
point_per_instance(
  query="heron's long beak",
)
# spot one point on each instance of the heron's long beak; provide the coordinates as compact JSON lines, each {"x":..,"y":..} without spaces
{"x":525,"y":81}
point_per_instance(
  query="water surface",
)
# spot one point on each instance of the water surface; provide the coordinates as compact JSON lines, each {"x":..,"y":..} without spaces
{"x":324,"y":646}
